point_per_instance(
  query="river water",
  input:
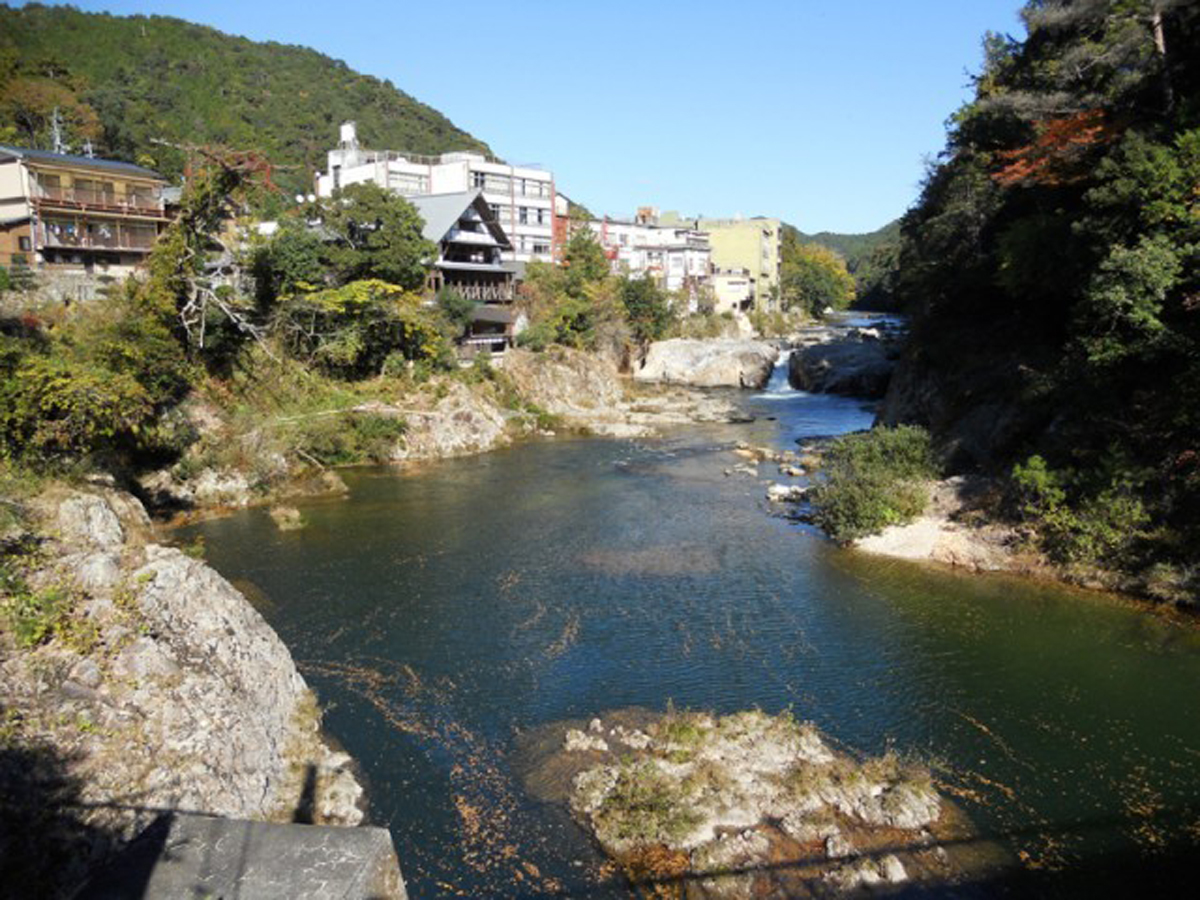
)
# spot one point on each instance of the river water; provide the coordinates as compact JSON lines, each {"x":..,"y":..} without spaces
{"x":442,"y":613}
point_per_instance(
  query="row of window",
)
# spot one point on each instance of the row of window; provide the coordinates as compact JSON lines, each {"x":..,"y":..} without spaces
{"x":408,"y":182}
{"x":505,"y":184}
{"x":526,"y":215}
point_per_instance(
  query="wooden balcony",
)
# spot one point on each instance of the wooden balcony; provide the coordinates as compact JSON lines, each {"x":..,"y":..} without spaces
{"x":118,"y":239}
{"x":100,"y":201}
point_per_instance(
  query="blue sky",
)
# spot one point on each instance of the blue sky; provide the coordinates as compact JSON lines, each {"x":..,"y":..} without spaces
{"x":819,"y":112}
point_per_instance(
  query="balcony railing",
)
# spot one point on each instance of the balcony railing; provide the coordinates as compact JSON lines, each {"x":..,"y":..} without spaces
{"x":106,"y":200}
{"x":118,"y":239}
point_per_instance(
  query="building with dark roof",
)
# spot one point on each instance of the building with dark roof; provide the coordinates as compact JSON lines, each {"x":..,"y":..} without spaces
{"x":61,"y":210}
{"x":471,"y":247}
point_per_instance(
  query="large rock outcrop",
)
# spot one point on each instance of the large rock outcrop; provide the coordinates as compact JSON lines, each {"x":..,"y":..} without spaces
{"x":155,"y":686}
{"x":459,"y":423}
{"x":722,"y":363}
{"x":586,"y":392}
{"x":856,"y":363}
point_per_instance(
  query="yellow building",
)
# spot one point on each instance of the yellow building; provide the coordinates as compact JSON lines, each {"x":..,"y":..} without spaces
{"x":749,"y":246}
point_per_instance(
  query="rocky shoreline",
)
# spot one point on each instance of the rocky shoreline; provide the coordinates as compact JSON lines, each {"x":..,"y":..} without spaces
{"x":155,"y":687}
{"x":570,"y":390}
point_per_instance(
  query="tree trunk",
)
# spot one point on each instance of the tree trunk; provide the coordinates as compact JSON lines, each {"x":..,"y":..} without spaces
{"x":1160,"y":44}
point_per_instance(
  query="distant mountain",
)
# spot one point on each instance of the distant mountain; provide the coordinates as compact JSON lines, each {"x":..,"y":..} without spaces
{"x":125,"y":81}
{"x":854,"y":248}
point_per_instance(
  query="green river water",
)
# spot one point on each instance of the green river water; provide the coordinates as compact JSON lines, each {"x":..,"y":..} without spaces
{"x":444,"y":612}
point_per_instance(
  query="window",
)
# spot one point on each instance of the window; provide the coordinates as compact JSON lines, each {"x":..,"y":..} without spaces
{"x":408,"y":182}
{"x":478,"y":179}
{"x":523,"y":215}
{"x":541,"y":216}
{"x":541,"y":248}
{"x":23,"y":243}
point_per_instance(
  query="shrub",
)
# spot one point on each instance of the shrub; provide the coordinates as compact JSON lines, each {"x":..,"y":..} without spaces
{"x":348,"y":439}
{"x":1079,"y":523}
{"x":872,"y":480}
{"x":354,"y":331}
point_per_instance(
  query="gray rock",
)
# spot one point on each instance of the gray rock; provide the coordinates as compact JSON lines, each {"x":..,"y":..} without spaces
{"x":785,"y":493}
{"x":846,"y":366}
{"x":87,"y":673}
{"x":838,"y":847}
{"x":88,"y":519}
{"x":145,"y":658}
{"x":98,"y":571}
{"x":722,"y":363}
{"x":892,"y":869}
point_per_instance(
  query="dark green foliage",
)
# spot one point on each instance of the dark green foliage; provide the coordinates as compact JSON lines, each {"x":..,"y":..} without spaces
{"x":873,"y":479}
{"x":646,"y":307}
{"x":813,"y":278}
{"x":1077,"y":523}
{"x":577,"y":304}
{"x":291,"y":260}
{"x":146,"y":77}
{"x":373,"y":233}
{"x":872,"y":258}
{"x":456,"y":308}
{"x":357,"y":330}
{"x":351,"y":438}
{"x":1055,"y":255}
{"x":97,"y":386}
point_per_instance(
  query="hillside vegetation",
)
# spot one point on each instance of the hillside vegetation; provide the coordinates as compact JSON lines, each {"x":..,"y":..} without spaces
{"x":871,"y":258}
{"x":125,"y":81}
{"x":1052,"y":266}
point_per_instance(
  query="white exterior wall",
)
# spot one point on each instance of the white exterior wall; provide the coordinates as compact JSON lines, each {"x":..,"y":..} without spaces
{"x":731,"y":290}
{"x":670,"y":255}
{"x":14,"y":191}
{"x":508,"y":189}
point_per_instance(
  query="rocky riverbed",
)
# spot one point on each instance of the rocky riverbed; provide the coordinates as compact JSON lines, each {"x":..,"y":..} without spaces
{"x":135,"y":680}
{"x":749,"y":804}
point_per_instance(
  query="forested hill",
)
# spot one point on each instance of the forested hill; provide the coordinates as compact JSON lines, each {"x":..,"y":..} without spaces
{"x":854,"y":247}
{"x":123,"y":81}
{"x":1052,"y":266}
{"x":870,"y":258}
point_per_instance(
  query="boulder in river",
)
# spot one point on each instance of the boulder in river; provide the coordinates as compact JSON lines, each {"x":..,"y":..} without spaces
{"x":854,"y":365}
{"x":721,"y":363}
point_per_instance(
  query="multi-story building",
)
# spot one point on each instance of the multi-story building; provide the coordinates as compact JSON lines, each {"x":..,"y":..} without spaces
{"x":76,"y":211}
{"x":679,"y":258}
{"x":753,"y":245}
{"x":520,"y":198}
{"x":470,"y":245}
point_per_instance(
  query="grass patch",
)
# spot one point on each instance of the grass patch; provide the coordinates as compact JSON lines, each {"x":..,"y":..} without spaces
{"x":644,"y":807}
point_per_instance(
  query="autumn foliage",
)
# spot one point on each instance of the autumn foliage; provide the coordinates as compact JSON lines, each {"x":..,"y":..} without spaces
{"x":1060,"y":154}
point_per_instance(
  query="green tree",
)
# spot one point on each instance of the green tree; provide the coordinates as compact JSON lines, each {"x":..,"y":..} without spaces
{"x":813,"y":278}
{"x":646,"y":307}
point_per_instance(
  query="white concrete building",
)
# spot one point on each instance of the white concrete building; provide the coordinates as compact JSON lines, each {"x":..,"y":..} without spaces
{"x":677,"y":257}
{"x":521,"y":198}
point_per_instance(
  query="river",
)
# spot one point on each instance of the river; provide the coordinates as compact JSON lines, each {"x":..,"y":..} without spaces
{"x":443,"y":612}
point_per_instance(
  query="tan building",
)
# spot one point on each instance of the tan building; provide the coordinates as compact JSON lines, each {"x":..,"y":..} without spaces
{"x":750,"y":246}
{"x":76,"y":211}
